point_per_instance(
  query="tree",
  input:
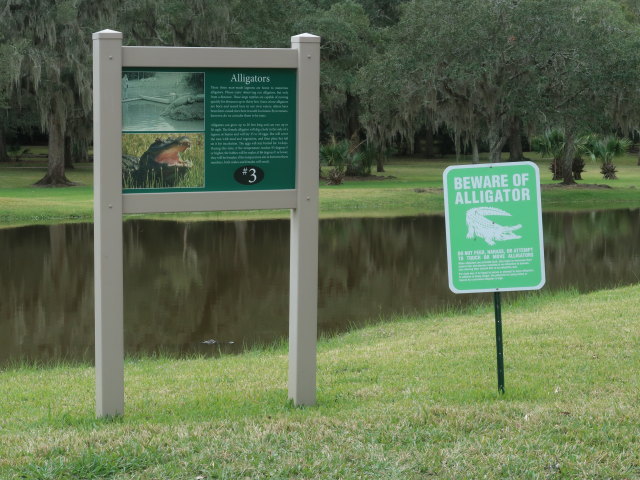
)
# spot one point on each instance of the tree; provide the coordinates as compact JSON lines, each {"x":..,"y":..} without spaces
{"x":490,"y":69}
{"x":261,"y":24}
{"x":348,"y":43}
{"x":50,"y":50}
{"x":352,"y":34}
{"x":592,"y":86}
{"x":605,"y":149}
{"x":452,"y":63}
{"x":469,"y":70}
{"x":176,"y":23}
{"x":551,"y":144}
{"x":5,"y":96}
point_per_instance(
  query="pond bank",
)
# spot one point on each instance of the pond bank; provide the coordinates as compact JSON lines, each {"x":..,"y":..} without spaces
{"x":409,"y":187}
{"x":400,"y":399}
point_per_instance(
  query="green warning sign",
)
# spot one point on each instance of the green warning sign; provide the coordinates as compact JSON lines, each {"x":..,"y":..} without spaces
{"x":494,"y":227}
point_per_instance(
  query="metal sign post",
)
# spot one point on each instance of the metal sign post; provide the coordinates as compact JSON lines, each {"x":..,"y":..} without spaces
{"x":251,"y":143}
{"x":493,"y":219}
{"x":497,"y":306}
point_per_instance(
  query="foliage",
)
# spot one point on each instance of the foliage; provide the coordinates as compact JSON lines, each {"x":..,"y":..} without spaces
{"x":485,"y":67}
{"x":360,"y":163}
{"x":345,"y":160}
{"x":348,"y":42}
{"x":604,"y":150}
{"x":410,"y":187}
{"x":335,"y":176}
{"x":334,"y":153}
{"x":486,"y":70}
{"x":609,"y":171}
{"x":172,"y":23}
{"x":47,"y":49}
{"x":552,"y":144}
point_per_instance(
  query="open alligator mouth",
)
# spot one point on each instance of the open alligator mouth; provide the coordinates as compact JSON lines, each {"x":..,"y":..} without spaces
{"x":159,"y":166}
{"x":171,"y":156}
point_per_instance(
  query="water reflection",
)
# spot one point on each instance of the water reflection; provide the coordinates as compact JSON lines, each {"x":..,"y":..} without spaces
{"x":185,"y":283}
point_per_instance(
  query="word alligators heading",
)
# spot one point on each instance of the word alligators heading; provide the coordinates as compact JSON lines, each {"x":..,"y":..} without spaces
{"x":249,"y":79}
{"x":491,"y":189}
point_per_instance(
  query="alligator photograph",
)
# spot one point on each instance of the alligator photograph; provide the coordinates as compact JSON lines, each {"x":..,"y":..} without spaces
{"x":153,"y":162}
{"x":162,"y":101}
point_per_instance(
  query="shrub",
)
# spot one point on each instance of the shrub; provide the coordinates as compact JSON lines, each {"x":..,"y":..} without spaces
{"x":346,"y":160}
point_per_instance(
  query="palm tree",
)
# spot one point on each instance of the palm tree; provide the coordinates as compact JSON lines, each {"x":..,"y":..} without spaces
{"x":552,"y":144}
{"x":605,"y":150}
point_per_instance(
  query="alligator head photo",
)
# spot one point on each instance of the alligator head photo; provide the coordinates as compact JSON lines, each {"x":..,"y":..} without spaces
{"x":159,"y":166}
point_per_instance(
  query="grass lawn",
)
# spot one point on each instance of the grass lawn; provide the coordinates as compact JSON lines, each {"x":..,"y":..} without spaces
{"x":413,"y":398}
{"x":408,"y":187}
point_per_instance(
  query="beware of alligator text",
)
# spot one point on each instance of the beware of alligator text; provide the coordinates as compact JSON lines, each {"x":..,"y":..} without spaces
{"x":491,"y":189}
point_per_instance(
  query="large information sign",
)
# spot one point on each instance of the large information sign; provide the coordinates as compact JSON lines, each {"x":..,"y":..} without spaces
{"x":200,"y":129}
{"x":208,"y":129}
{"x":494,"y":227}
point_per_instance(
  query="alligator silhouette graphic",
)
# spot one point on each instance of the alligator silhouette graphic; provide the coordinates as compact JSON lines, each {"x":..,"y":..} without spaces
{"x":480,"y":226}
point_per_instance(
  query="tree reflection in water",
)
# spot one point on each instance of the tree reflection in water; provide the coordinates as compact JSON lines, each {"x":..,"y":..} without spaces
{"x":188,"y":282}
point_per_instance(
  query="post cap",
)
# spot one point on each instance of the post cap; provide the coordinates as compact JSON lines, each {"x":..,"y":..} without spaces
{"x":305,"y":38}
{"x":107,"y":34}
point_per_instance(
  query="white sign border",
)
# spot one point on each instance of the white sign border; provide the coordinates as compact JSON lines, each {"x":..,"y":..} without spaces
{"x":448,"y":229}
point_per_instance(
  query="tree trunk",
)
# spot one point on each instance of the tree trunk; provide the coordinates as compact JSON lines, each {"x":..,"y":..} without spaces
{"x":496,"y":148}
{"x":515,"y":140}
{"x":556,"y":168}
{"x":456,"y":144}
{"x":428,"y":142}
{"x":379,"y":162}
{"x":567,"y":158}
{"x":80,"y":150}
{"x":353,"y":124}
{"x":4,"y":156}
{"x":68,"y":153}
{"x":82,"y":156}
{"x":55,"y":176}
{"x":476,"y":153}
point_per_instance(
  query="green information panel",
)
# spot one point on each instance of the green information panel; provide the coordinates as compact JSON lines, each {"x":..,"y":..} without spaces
{"x":494,"y":227}
{"x":217,"y":129}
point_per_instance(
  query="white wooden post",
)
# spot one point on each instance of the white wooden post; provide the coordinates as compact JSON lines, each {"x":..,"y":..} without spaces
{"x":108,"y":262}
{"x":303,"y":287}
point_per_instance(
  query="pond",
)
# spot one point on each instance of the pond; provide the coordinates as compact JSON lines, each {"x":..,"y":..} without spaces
{"x":228,"y":281}
{"x":144,"y":115}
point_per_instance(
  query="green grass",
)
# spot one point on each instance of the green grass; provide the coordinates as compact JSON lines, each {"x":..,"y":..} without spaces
{"x":414,"y":398}
{"x":23,"y":204}
{"x":413,"y":189}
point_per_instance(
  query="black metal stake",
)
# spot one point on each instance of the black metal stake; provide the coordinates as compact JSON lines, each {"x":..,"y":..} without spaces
{"x":498,"y":311}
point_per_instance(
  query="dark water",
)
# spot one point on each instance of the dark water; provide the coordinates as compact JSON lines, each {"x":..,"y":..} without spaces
{"x":185,"y":283}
